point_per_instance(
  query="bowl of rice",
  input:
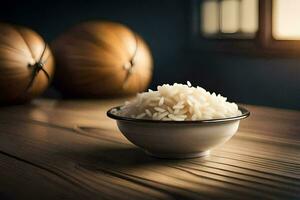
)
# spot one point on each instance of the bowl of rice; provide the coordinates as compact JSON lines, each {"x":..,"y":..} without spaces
{"x":178,"y":121}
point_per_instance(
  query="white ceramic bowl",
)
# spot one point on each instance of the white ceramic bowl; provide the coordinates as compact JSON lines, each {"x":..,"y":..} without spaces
{"x":177,"y":139}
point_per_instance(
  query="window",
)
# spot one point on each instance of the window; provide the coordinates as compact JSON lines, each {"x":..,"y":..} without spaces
{"x":250,"y":26}
{"x":229,"y":18}
{"x":285,"y":17}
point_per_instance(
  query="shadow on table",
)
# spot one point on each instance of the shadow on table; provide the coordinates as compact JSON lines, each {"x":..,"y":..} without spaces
{"x":115,"y":152}
{"x":122,"y":157}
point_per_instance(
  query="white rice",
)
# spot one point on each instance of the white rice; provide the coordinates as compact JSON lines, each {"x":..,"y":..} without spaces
{"x":179,"y":102}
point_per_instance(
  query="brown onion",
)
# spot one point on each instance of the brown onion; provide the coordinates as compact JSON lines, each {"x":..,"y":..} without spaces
{"x":26,"y":64}
{"x":97,"y":59}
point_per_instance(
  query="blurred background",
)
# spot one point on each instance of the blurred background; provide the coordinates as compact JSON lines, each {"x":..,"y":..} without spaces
{"x":247,"y":50}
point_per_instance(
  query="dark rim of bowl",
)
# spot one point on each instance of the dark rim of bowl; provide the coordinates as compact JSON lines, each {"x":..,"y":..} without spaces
{"x":245,"y":114}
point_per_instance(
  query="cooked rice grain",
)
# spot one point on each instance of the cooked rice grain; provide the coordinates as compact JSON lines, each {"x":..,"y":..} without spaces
{"x":179,"y":102}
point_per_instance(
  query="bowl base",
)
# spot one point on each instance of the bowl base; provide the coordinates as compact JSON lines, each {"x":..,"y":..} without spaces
{"x":178,"y":155}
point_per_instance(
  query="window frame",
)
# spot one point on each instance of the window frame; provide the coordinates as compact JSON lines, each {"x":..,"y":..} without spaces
{"x":262,"y":44}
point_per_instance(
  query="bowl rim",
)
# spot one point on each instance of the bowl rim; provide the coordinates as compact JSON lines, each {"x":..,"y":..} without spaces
{"x":245,"y":114}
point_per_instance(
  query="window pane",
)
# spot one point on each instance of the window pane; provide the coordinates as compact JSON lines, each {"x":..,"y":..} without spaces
{"x":229,"y":16}
{"x":249,"y":18}
{"x":210,"y":17}
{"x":286,"y":19}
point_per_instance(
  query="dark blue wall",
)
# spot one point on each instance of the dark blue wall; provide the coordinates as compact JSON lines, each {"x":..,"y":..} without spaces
{"x":164,"y":25}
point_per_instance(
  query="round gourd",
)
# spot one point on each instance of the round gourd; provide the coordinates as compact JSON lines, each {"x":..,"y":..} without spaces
{"x":26,"y":64}
{"x":97,"y":59}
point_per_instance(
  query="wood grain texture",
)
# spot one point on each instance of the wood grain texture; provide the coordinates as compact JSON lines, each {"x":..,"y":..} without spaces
{"x":70,"y":150}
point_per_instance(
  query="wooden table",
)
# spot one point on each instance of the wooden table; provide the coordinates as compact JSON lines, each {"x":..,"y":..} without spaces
{"x":70,"y":150}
